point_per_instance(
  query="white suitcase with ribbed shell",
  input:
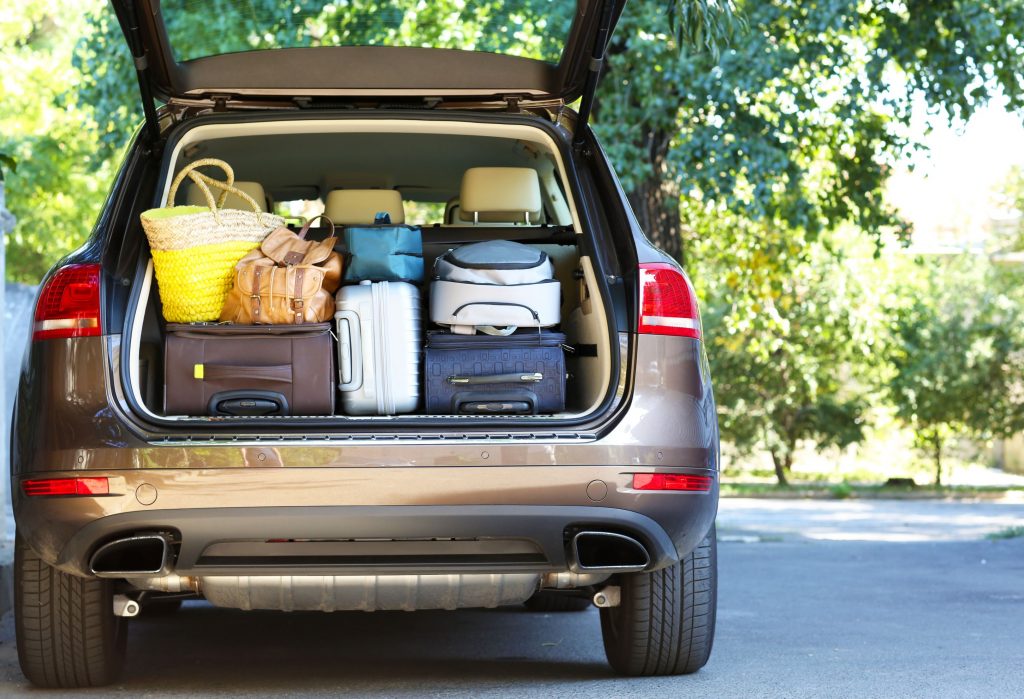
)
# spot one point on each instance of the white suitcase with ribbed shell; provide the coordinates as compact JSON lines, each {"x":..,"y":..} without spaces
{"x":379,"y":346}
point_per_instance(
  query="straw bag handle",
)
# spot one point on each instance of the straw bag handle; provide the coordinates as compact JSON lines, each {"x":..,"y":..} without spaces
{"x":187,"y":170}
{"x":202,"y":181}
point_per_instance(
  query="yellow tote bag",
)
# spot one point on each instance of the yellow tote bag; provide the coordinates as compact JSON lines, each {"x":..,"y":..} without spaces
{"x":195,"y":248}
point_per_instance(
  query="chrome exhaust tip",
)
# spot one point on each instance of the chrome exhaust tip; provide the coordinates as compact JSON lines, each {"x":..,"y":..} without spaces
{"x":133,"y":556}
{"x":607,"y":551}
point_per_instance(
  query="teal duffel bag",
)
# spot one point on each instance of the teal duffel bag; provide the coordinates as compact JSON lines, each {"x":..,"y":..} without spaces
{"x":383,"y":252}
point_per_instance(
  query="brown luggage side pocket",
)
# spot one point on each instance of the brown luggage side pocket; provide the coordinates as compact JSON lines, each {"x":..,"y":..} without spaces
{"x":228,"y":372}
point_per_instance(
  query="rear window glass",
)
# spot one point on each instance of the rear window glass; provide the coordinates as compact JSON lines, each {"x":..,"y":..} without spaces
{"x":528,"y":28}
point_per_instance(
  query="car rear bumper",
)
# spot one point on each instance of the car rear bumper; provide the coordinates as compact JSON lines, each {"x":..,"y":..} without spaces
{"x":514,"y":487}
{"x":330,"y":521}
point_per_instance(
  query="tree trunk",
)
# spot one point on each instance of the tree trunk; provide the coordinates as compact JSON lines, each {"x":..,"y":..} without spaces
{"x":782,"y":465}
{"x":937,"y":453}
{"x":655,"y":202}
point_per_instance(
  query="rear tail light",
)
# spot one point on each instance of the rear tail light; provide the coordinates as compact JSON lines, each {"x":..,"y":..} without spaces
{"x":69,"y":304}
{"x":672,"y":481}
{"x":66,"y":486}
{"x":668,"y":305}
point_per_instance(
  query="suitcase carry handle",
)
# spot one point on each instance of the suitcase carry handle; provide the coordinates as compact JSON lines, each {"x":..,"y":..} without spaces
{"x":503,"y":407}
{"x":535,"y":377}
{"x":350,"y":351}
{"x":248,"y":403}
{"x":516,"y":401}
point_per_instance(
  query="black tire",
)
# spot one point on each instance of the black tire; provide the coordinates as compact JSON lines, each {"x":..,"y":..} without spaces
{"x":665,"y":624}
{"x":67,"y":633}
{"x":550,"y":601}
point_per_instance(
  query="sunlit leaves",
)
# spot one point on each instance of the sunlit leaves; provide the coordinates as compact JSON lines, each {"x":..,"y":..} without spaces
{"x":956,"y":355}
{"x":54,"y":193}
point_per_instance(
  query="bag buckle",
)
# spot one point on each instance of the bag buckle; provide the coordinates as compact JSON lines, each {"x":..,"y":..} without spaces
{"x":293,"y":258}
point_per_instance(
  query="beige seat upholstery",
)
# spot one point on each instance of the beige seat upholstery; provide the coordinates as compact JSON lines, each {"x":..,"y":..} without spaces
{"x":500,"y":195}
{"x":195,"y":197}
{"x":357,"y":207}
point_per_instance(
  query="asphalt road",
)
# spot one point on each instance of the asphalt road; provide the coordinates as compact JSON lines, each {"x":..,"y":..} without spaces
{"x":850,"y":615}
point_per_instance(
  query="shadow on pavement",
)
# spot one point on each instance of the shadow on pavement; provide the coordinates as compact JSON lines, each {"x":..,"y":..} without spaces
{"x":215,"y":649}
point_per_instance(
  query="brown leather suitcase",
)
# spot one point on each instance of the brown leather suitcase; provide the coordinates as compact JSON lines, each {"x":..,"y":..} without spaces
{"x":212,"y":369}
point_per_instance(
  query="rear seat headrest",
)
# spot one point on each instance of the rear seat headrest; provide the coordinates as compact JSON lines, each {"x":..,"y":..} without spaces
{"x":500,"y":194}
{"x":194,"y":196}
{"x":358,"y":207}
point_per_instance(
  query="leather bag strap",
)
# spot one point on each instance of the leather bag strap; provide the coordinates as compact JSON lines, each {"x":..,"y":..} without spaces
{"x":257,"y":273}
{"x":297,"y":303}
{"x":309,"y":222}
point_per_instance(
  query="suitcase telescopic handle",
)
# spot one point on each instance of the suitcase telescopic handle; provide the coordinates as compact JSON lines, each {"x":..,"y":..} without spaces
{"x":535,"y":377}
{"x":350,"y":351}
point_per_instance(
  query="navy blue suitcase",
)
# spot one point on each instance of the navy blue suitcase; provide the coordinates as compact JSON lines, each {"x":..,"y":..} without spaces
{"x":519,"y":374}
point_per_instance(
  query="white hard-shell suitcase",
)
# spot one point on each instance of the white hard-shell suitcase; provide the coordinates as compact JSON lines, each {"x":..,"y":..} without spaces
{"x":379,"y":345}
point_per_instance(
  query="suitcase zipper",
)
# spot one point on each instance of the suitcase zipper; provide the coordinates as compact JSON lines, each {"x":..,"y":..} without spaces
{"x":535,"y":377}
{"x":499,"y":341}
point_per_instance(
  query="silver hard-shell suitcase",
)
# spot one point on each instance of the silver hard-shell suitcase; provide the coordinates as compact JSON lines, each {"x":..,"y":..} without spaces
{"x":379,"y":345}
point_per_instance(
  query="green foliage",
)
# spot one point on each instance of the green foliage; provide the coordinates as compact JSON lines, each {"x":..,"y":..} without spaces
{"x":1008,"y":533}
{"x":841,"y":491}
{"x":957,"y":53}
{"x":750,"y":157}
{"x":1009,"y":237}
{"x":703,"y":25}
{"x":958,"y":355}
{"x":7,"y":162}
{"x":800,"y":119}
{"x":791,"y":355}
{"x":54,"y":193}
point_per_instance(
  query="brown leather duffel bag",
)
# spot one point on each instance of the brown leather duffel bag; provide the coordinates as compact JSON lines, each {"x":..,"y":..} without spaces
{"x":249,"y":369}
{"x":288,"y":279}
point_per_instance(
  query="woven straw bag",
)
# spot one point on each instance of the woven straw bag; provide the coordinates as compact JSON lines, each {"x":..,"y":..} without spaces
{"x":195,"y":248}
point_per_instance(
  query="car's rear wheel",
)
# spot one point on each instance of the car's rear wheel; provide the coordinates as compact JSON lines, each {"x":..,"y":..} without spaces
{"x":551,"y":601}
{"x":66,"y":630}
{"x":665,"y":622}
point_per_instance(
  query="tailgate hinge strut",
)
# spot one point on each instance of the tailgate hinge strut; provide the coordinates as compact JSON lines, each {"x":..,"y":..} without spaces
{"x":594,"y":70}
{"x":128,"y":19}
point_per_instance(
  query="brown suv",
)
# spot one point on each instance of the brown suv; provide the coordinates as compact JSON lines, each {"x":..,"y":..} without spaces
{"x":122,"y":507}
